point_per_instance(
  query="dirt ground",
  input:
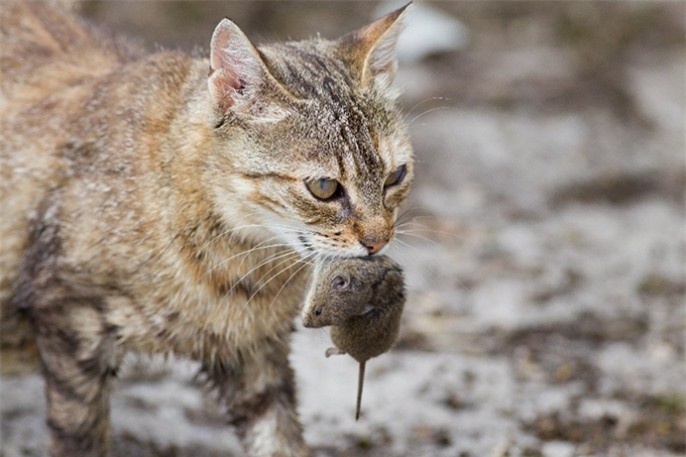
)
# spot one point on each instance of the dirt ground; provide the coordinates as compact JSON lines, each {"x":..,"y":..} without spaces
{"x":544,"y":244}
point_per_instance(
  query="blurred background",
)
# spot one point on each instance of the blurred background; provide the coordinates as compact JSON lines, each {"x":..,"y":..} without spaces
{"x":544,"y":248}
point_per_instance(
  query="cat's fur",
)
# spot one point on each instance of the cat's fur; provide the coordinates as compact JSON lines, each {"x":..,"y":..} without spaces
{"x":149,"y":206}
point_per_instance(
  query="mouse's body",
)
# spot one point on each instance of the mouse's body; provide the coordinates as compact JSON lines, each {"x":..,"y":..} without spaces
{"x":362,"y":299}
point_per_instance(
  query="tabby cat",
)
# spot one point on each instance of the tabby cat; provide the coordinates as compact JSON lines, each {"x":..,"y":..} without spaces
{"x":160,"y":203}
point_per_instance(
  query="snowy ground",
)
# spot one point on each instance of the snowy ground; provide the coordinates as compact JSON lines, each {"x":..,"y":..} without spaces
{"x":546,"y":314}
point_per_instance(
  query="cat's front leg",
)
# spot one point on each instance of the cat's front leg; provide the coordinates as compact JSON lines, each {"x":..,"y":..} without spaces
{"x":77,"y":362}
{"x":259,"y":393}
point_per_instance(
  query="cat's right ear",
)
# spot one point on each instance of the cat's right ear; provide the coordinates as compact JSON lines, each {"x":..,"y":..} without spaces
{"x":237,"y":73}
{"x":371,"y":50}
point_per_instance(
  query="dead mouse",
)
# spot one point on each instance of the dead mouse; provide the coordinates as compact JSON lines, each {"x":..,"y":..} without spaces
{"x":362,"y":299}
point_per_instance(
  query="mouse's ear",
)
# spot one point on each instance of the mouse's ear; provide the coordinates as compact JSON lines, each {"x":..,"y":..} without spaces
{"x":340,"y":282}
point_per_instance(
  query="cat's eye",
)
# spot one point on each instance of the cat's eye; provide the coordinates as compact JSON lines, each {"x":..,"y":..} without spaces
{"x":324,"y":188}
{"x":396,"y":177}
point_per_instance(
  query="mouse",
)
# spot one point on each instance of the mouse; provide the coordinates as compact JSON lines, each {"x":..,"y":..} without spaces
{"x":362,"y":299}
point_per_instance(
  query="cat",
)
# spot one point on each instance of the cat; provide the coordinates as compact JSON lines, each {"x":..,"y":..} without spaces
{"x":159,"y":203}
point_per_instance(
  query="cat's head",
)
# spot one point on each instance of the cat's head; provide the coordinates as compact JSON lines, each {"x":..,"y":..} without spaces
{"x":310,"y":138}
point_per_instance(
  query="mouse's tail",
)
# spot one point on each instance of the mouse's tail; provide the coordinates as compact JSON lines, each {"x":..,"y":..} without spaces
{"x":360,"y":385}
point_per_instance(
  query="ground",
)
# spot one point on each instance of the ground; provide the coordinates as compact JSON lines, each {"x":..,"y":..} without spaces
{"x":544,"y":248}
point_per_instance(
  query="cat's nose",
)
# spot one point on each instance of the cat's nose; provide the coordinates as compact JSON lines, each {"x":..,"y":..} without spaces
{"x":373,"y":244}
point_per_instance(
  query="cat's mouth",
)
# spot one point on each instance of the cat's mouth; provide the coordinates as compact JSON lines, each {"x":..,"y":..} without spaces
{"x":309,"y":245}
{"x":343,"y":252}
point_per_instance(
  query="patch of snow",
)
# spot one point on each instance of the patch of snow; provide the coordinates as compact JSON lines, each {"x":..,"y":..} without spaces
{"x":558,"y":449}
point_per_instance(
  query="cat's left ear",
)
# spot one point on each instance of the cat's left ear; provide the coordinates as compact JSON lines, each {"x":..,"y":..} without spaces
{"x":371,"y":49}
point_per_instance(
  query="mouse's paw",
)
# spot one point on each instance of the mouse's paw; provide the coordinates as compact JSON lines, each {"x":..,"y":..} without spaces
{"x":334,"y":351}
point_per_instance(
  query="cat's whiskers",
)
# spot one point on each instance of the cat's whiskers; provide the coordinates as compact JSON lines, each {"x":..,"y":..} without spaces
{"x":428,"y":99}
{"x":298,"y":260}
{"x":246,"y":252}
{"x":415,"y":235}
{"x":410,"y":250}
{"x":409,"y":255}
{"x":262,"y":282}
{"x":272,"y":227}
{"x":431,"y":110}
{"x":405,"y":216}
{"x":241,"y":227}
{"x":398,"y":249}
{"x":417,"y":229}
{"x":305,"y":264}
{"x":273,"y":258}
{"x":286,"y":245}
{"x":414,"y":222}
{"x":404,"y":244}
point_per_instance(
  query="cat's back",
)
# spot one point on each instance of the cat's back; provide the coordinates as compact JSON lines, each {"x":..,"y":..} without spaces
{"x":45,"y":48}
{"x":50,"y":62}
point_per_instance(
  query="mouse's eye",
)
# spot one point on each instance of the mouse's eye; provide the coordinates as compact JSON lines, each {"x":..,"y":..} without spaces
{"x":318,"y":312}
{"x":339,"y":282}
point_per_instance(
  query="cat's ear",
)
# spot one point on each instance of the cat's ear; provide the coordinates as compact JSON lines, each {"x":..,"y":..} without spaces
{"x":371,"y":49}
{"x":238,"y":76}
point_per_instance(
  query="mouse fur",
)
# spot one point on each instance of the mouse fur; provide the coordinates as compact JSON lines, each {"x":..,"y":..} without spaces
{"x":362,"y":299}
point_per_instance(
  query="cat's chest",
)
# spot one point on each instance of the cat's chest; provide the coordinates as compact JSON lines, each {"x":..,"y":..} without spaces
{"x":197,"y":311}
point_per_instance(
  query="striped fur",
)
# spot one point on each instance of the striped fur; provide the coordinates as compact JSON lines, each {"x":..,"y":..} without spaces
{"x":143,"y":212}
